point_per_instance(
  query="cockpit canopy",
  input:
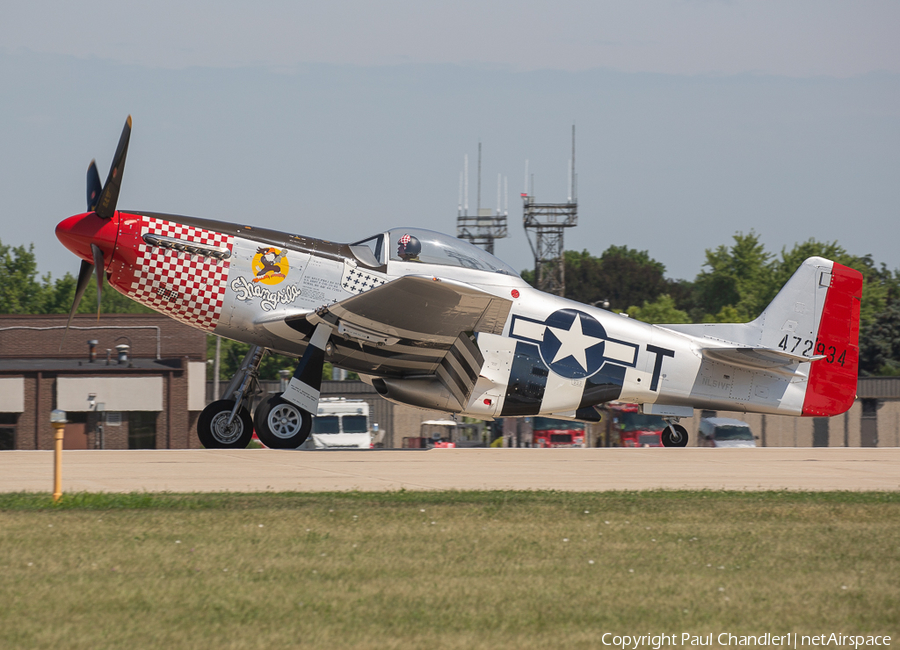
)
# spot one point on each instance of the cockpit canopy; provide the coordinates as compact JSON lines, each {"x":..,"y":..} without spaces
{"x":417,"y":246}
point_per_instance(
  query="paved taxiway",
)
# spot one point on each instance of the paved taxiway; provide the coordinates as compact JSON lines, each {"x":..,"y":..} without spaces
{"x":461,"y":469}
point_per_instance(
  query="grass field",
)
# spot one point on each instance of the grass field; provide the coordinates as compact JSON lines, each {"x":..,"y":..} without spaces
{"x":442,"y":570}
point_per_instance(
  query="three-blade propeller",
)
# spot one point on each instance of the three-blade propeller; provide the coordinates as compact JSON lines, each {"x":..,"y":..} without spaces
{"x":101,"y":200}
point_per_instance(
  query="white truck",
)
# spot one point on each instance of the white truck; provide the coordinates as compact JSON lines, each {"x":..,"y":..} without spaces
{"x":340,"y":424}
{"x":725,"y":432}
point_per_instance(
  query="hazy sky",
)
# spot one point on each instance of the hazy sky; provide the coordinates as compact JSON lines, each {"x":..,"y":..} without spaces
{"x":695,"y":119}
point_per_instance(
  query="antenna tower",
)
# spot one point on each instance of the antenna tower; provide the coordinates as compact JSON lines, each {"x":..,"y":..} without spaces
{"x":486,"y":224}
{"x":547,"y":222}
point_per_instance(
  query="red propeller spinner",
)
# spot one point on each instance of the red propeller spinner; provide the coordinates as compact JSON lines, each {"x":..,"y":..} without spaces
{"x":78,"y":232}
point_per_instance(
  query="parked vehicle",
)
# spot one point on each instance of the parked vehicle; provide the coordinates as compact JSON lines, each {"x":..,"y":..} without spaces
{"x":553,"y":432}
{"x":447,"y":434}
{"x":725,"y":432}
{"x":340,"y":424}
{"x":630,"y":428}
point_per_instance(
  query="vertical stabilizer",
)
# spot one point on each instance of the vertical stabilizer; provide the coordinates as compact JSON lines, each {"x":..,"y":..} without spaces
{"x":812,"y":327}
{"x":816,"y":315}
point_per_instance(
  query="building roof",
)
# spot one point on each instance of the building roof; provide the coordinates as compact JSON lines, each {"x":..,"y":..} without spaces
{"x":149,"y":336}
{"x":878,"y":387}
{"x":82,"y":366}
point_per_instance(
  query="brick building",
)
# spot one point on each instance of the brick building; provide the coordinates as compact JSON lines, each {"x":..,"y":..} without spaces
{"x":151,"y":399}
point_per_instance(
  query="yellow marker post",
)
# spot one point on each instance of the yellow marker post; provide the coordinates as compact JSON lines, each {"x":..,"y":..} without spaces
{"x":58,"y":422}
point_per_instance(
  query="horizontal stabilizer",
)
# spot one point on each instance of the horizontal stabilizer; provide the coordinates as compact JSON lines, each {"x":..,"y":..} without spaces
{"x":761,"y":358}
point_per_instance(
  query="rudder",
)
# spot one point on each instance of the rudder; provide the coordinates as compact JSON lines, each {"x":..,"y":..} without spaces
{"x":831,"y":389}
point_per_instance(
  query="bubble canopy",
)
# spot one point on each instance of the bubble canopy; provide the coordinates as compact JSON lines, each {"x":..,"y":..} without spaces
{"x":418,"y":246}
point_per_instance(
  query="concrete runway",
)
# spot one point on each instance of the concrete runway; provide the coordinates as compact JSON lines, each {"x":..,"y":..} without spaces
{"x":455,"y":469}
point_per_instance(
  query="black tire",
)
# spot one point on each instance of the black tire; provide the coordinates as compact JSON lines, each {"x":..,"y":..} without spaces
{"x":281,"y":424}
{"x":674,"y":435}
{"x":214,"y":434}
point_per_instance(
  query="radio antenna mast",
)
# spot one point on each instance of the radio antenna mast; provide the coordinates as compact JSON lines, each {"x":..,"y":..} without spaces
{"x":548,"y":222}
{"x":487,"y":224}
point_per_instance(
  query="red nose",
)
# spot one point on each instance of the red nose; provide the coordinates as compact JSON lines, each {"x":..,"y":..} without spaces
{"x":78,"y":232}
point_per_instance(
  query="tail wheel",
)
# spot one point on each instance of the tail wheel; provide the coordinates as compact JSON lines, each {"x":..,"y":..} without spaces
{"x":281,"y":424}
{"x":674,"y":435}
{"x":215,"y":432}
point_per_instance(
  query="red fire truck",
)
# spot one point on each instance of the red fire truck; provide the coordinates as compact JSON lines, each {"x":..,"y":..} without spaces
{"x":627,"y":427}
{"x":551,"y":432}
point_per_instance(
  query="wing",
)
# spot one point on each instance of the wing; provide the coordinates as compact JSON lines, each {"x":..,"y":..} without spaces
{"x":422,"y":308}
{"x":412,"y":326}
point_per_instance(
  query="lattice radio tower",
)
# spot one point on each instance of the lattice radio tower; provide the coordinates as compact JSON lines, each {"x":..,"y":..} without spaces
{"x":548,"y":221}
{"x":486,"y":224}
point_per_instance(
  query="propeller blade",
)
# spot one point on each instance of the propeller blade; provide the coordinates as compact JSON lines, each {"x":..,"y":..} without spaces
{"x":93,"y":186}
{"x":109,"y":197}
{"x":84,"y":277}
{"x":98,"y":264}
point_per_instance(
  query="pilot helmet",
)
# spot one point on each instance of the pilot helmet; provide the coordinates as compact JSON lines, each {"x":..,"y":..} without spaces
{"x":409,"y":247}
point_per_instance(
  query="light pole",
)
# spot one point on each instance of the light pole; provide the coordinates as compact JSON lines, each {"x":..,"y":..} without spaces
{"x":101,"y":419}
{"x":58,"y":422}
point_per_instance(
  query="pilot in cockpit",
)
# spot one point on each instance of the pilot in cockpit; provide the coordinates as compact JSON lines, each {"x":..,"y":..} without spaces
{"x":409,"y":248}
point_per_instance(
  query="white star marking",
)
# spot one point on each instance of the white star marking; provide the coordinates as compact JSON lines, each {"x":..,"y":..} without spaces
{"x":572,"y":343}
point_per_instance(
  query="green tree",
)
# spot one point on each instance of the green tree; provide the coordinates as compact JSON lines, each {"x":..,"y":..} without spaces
{"x":790,"y":260}
{"x":583,"y":276}
{"x":630,"y":277}
{"x":879,"y":345}
{"x":740,"y":276}
{"x":20,"y":290}
{"x":661,"y":310}
{"x":528,"y":276}
{"x":727,"y":314}
{"x":58,"y":297}
{"x":621,"y":275}
{"x":879,"y":287}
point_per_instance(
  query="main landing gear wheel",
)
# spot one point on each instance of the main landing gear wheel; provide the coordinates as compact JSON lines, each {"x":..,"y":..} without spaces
{"x":215,"y":432}
{"x":280,"y":424}
{"x":674,"y":435}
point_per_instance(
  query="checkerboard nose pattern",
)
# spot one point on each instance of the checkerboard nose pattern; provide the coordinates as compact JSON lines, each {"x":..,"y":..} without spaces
{"x":190,"y":288}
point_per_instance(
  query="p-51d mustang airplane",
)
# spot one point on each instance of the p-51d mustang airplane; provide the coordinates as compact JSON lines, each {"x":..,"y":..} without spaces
{"x":432,"y":321}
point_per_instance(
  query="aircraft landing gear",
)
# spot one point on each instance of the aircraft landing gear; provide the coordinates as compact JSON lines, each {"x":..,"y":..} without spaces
{"x":281,"y":424}
{"x":674,"y":435}
{"x":217,"y":428}
{"x":285,"y":424}
{"x":226,"y":423}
